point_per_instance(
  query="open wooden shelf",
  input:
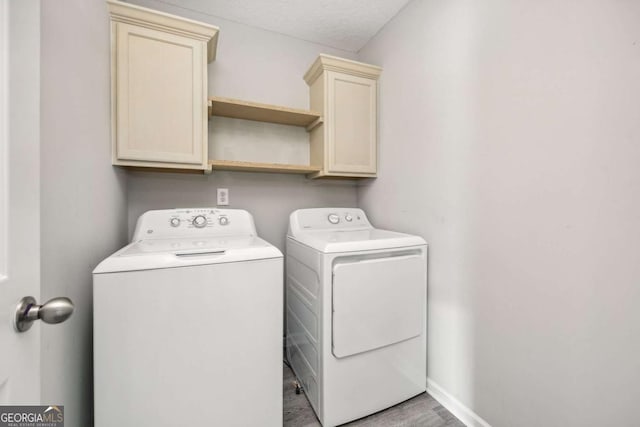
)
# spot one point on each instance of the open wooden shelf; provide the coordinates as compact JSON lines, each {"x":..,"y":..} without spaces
{"x":236,"y":109}
{"x":232,"y":165}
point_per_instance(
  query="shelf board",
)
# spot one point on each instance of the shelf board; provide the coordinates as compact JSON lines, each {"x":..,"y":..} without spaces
{"x":236,"y":109}
{"x":232,"y":165}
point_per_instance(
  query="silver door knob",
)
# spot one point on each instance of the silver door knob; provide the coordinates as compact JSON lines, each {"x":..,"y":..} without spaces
{"x":56,"y":310}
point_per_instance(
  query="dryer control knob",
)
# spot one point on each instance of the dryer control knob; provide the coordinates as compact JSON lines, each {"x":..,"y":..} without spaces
{"x":199,"y":221}
{"x":223,"y":220}
{"x":348,"y":217}
{"x":174,"y":222}
{"x":333,"y":218}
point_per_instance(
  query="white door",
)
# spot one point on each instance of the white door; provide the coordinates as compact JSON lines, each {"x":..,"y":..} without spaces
{"x":19,"y":196}
{"x":377,"y":302}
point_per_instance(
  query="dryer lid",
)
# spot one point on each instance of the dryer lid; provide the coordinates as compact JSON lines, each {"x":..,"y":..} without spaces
{"x":331,"y":230}
{"x":356,"y":240}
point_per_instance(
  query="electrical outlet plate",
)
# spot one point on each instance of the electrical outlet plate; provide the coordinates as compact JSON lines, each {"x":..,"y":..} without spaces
{"x":223,"y":197}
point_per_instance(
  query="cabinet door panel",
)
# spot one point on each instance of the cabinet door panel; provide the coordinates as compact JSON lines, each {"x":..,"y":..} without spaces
{"x":353,"y":124}
{"x":159,"y":97}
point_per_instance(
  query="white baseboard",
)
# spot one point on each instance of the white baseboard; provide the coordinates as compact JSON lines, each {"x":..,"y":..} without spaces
{"x":464,"y":414}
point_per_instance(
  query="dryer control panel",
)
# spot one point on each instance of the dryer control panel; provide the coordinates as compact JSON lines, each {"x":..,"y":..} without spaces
{"x":329,"y":219}
{"x":193,"y":222}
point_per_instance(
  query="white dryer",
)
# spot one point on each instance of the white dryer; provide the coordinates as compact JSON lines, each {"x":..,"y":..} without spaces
{"x":188,"y":324}
{"x":356,"y":313}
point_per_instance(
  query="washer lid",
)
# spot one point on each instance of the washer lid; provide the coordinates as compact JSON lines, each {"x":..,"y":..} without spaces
{"x":356,"y":240}
{"x":171,"y":253}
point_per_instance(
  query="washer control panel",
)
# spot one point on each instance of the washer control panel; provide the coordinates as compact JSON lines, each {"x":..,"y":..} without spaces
{"x":201,"y":222}
{"x":192,"y":218}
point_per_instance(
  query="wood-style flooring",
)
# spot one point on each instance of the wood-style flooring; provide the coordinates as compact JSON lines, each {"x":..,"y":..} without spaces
{"x":421,"y":411}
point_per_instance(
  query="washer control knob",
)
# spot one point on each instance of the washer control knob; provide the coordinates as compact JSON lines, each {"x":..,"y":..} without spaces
{"x":348,"y":217}
{"x":199,"y":221}
{"x":223,"y":220}
{"x":333,"y":218}
{"x":174,"y":222}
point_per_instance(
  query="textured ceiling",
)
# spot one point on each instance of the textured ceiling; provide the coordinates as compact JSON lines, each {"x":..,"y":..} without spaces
{"x":342,"y":24}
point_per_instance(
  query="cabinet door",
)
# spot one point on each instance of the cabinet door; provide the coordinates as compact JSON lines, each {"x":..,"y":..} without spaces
{"x":160,"y":97}
{"x":352,"y":124}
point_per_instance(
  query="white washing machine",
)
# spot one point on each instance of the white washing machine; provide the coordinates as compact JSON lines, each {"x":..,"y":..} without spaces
{"x":188,"y":324}
{"x":356,"y":313}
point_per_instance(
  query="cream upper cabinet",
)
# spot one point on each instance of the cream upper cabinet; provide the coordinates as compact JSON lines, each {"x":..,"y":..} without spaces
{"x":159,"y":88}
{"x":345,"y":91}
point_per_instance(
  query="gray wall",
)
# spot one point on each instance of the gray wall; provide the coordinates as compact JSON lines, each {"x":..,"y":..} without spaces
{"x":509,"y":139}
{"x":83,"y":197}
{"x":261,"y":66}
